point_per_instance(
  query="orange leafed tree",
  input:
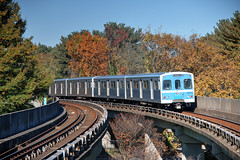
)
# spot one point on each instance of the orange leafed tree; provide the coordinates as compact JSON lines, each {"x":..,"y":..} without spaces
{"x":88,"y":55}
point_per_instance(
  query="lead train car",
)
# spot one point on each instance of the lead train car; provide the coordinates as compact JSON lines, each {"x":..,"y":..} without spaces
{"x":171,"y":89}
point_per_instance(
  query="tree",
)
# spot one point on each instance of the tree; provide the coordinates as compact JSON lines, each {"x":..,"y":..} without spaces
{"x":60,"y":54}
{"x":129,"y":131}
{"x":215,"y":74}
{"x":226,"y":37}
{"x":119,"y":36}
{"x":12,"y":26}
{"x":20,"y":78}
{"x":159,"y":50}
{"x":88,"y":55}
{"x":130,"y":59}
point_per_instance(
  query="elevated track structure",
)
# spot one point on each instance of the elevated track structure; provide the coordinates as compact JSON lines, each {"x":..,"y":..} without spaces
{"x":221,"y":137}
{"x":83,"y":140}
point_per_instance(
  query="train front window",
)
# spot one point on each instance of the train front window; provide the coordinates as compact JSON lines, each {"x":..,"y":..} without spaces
{"x":187,"y":83}
{"x":167,"y":84}
{"x":177,"y":84}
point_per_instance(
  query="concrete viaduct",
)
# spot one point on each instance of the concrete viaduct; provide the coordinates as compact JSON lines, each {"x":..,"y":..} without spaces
{"x":193,"y":137}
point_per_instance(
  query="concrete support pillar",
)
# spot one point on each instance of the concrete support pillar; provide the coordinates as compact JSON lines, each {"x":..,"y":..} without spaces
{"x":191,"y":147}
{"x":192,"y":151}
{"x":218,"y":152}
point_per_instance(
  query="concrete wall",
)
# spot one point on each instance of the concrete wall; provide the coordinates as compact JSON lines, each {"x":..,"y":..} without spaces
{"x":219,"y":104}
{"x":16,"y":122}
{"x":220,"y":107}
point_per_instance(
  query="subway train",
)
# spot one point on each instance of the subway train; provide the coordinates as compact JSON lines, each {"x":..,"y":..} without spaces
{"x":171,"y":90}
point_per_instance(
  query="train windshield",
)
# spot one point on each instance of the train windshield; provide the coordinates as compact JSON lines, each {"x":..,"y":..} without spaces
{"x":167,"y":84}
{"x":177,"y":84}
{"x":187,"y":83}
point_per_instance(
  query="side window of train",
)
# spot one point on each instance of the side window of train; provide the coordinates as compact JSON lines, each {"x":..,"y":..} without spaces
{"x":167,"y":84}
{"x":145,"y":85}
{"x":121,"y":84}
{"x":135,"y":84}
{"x":89,"y":84}
{"x":103,"y":84}
{"x":177,"y":84}
{"x":156,"y":85}
{"x":187,"y":83}
{"x":95,"y":84}
{"x":128,"y":84}
{"x":74,"y":84}
{"x":112,"y":84}
{"x":81,"y":84}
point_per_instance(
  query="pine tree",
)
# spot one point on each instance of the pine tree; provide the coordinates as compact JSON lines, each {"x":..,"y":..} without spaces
{"x":226,"y":37}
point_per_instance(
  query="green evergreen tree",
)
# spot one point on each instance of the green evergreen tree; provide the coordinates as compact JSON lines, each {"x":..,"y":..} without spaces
{"x":21,"y":78}
{"x":62,"y":58}
{"x":226,"y":37}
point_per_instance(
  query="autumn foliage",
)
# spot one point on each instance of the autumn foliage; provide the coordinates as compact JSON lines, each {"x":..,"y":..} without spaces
{"x":214,"y":59}
{"x":88,"y":55}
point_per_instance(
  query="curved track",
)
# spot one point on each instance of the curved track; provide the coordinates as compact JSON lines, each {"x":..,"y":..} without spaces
{"x":79,"y":119}
{"x":231,"y":126}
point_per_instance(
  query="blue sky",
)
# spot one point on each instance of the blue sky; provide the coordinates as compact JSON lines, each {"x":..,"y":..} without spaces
{"x":48,"y":20}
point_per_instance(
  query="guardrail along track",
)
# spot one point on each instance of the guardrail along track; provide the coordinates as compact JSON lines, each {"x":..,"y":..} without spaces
{"x":219,"y":129}
{"x":228,"y":125}
{"x":76,"y":123}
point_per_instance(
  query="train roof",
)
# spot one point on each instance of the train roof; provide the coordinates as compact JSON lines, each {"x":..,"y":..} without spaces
{"x":142,"y":75}
{"x":80,"y":78}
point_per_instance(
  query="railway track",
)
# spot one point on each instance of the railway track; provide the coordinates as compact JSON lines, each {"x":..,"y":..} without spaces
{"x":80,"y":118}
{"x":233,"y":127}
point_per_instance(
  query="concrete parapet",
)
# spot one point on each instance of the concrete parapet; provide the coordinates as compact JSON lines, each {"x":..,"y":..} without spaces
{"x":19,"y":121}
{"x":219,"y":104}
{"x":11,"y":141}
{"x":221,"y":107}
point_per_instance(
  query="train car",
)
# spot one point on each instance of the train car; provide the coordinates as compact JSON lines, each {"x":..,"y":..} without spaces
{"x":171,"y":89}
{"x":110,"y":87}
{"x":177,"y":89}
